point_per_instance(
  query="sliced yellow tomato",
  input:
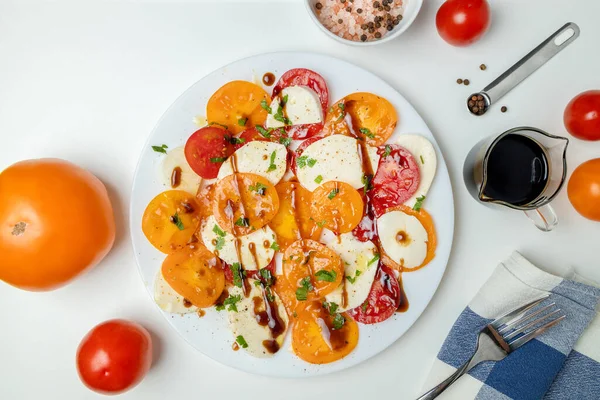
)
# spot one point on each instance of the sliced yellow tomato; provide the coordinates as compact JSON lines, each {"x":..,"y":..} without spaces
{"x":244,"y":202}
{"x":196,"y":274}
{"x":237,"y":105}
{"x":320,"y":338}
{"x":337,"y":206}
{"x":170,"y":220}
{"x":293,"y":221}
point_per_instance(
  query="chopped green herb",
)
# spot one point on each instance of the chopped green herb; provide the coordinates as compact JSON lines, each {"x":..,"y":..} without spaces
{"x":331,"y":109}
{"x":338,"y":321}
{"x":353,"y":279}
{"x":272,"y":166}
{"x":257,"y":283}
{"x":220,"y":243}
{"x":319,"y":179}
{"x":219,"y":307}
{"x":295,"y":314}
{"x":367,"y":133}
{"x":327,"y":276}
{"x":302,"y":291}
{"x":265,"y":106}
{"x":231,"y":302}
{"x":258,"y":188}
{"x":342,"y":107}
{"x":238,"y":274}
{"x":242,"y":121}
{"x":387,"y":151}
{"x":241,"y":341}
{"x":267,"y":277}
{"x":333,"y":193}
{"x":366,"y":181}
{"x":311,"y":162}
{"x":234,"y":140}
{"x":218,"y":230}
{"x":301,"y":161}
{"x":374,"y":259}
{"x":218,"y":124}
{"x":286,"y":141}
{"x":421,"y":157}
{"x":419,"y":203}
{"x":364,"y":305}
{"x":177,"y":221}
{"x":269,"y":294}
{"x":275,"y":246}
{"x":160,"y":149}
{"x":217,"y":159}
{"x":264,"y":132}
{"x":330,"y":306}
{"x":278,"y":116}
{"x":242,"y":221}
{"x":321,"y":224}
{"x":285,"y":99}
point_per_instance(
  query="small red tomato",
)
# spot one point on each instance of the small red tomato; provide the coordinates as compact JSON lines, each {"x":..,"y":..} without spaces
{"x":462,"y":22}
{"x":114,"y":356}
{"x":582,"y":115}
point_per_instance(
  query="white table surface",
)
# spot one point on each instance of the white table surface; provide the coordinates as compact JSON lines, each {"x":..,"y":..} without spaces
{"x":87,"y":81}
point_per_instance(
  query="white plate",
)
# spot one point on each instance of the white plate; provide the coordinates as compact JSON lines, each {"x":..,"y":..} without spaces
{"x":210,"y":333}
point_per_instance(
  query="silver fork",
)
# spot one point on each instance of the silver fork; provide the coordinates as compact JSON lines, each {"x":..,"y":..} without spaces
{"x":503,"y":336}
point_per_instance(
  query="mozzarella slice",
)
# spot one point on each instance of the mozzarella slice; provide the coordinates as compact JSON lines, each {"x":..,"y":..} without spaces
{"x":189,"y":180}
{"x":255,"y":157}
{"x":336,"y":158}
{"x":357,"y":256}
{"x":374,"y":157}
{"x":168,"y":299}
{"x":424,"y":154}
{"x":245,"y":322}
{"x":302,"y":107}
{"x":403,"y":238}
{"x":261,"y":239}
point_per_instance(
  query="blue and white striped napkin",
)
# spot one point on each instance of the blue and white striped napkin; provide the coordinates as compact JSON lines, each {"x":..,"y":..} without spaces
{"x":562,"y":363}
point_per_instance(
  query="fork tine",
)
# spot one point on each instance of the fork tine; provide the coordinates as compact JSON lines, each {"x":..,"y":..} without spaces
{"x":513,"y":324}
{"x":516,"y":313}
{"x":515,"y":344}
{"x":529,"y":325}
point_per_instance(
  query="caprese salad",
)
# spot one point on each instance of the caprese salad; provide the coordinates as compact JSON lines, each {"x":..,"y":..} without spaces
{"x":291,"y":214}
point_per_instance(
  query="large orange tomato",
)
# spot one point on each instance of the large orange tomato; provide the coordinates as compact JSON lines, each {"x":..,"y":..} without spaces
{"x":56,"y":221}
{"x":584,"y":189}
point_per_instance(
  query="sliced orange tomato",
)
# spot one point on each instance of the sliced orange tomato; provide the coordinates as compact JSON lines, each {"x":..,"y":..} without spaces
{"x":196,"y":274}
{"x":427,"y":222}
{"x":371,"y":117}
{"x":237,"y":105}
{"x":311,"y":265}
{"x":244,"y":203}
{"x":170,"y":220}
{"x":287,"y":295}
{"x":293,"y":220}
{"x":337,"y":206}
{"x":315,"y":339}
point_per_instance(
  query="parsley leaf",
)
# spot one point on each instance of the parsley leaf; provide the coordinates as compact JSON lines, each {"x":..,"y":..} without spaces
{"x":267,"y":277}
{"x":421,"y":157}
{"x":342,"y":107}
{"x":302,"y":291}
{"x":303,"y":161}
{"x":333,"y":193}
{"x":286,"y":141}
{"x":266,"y":133}
{"x":160,"y":149}
{"x":272,"y":166}
{"x":217,"y":159}
{"x":218,"y":124}
{"x":275,"y":246}
{"x":258,"y":188}
{"x":231,"y":302}
{"x":220,"y":242}
{"x":285,"y":99}
{"x":278,"y":116}
{"x":353,"y":279}
{"x":419,"y":203}
{"x":367,"y":133}
{"x":366,"y":181}
{"x":242,"y":121}
{"x":241,"y":341}
{"x":327,"y":276}
{"x":338,"y":321}
{"x":319,"y":179}
{"x":311,"y":162}
{"x":177,"y":221}
{"x":234,"y":140}
{"x":218,"y":230}
{"x":330,"y":306}
{"x":238,"y":274}
{"x":265,"y":106}
{"x":219,"y":307}
{"x":388,"y":150}
{"x":242,"y":221}
{"x":374,"y":259}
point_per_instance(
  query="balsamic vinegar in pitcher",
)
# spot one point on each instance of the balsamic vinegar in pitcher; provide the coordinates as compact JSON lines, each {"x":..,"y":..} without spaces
{"x":517,"y":170}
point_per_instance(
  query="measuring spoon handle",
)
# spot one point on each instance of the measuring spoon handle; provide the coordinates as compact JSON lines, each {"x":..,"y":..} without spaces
{"x":532,"y":61}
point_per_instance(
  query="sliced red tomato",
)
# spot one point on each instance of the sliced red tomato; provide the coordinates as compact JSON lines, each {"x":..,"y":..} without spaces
{"x":383,"y":300}
{"x":206,"y":150}
{"x":304,"y":77}
{"x":396,"y":180}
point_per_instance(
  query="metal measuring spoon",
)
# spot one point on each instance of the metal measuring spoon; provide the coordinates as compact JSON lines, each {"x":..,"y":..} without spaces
{"x":479,"y":103}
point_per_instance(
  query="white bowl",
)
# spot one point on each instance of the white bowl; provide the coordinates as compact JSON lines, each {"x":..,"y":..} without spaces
{"x":411,"y":9}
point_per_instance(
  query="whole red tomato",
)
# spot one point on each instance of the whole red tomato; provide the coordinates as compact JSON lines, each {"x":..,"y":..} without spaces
{"x":584,"y":189}
{"x":582,"y":115}
{"x":114,"y":356}
{"x":462,"y":22}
